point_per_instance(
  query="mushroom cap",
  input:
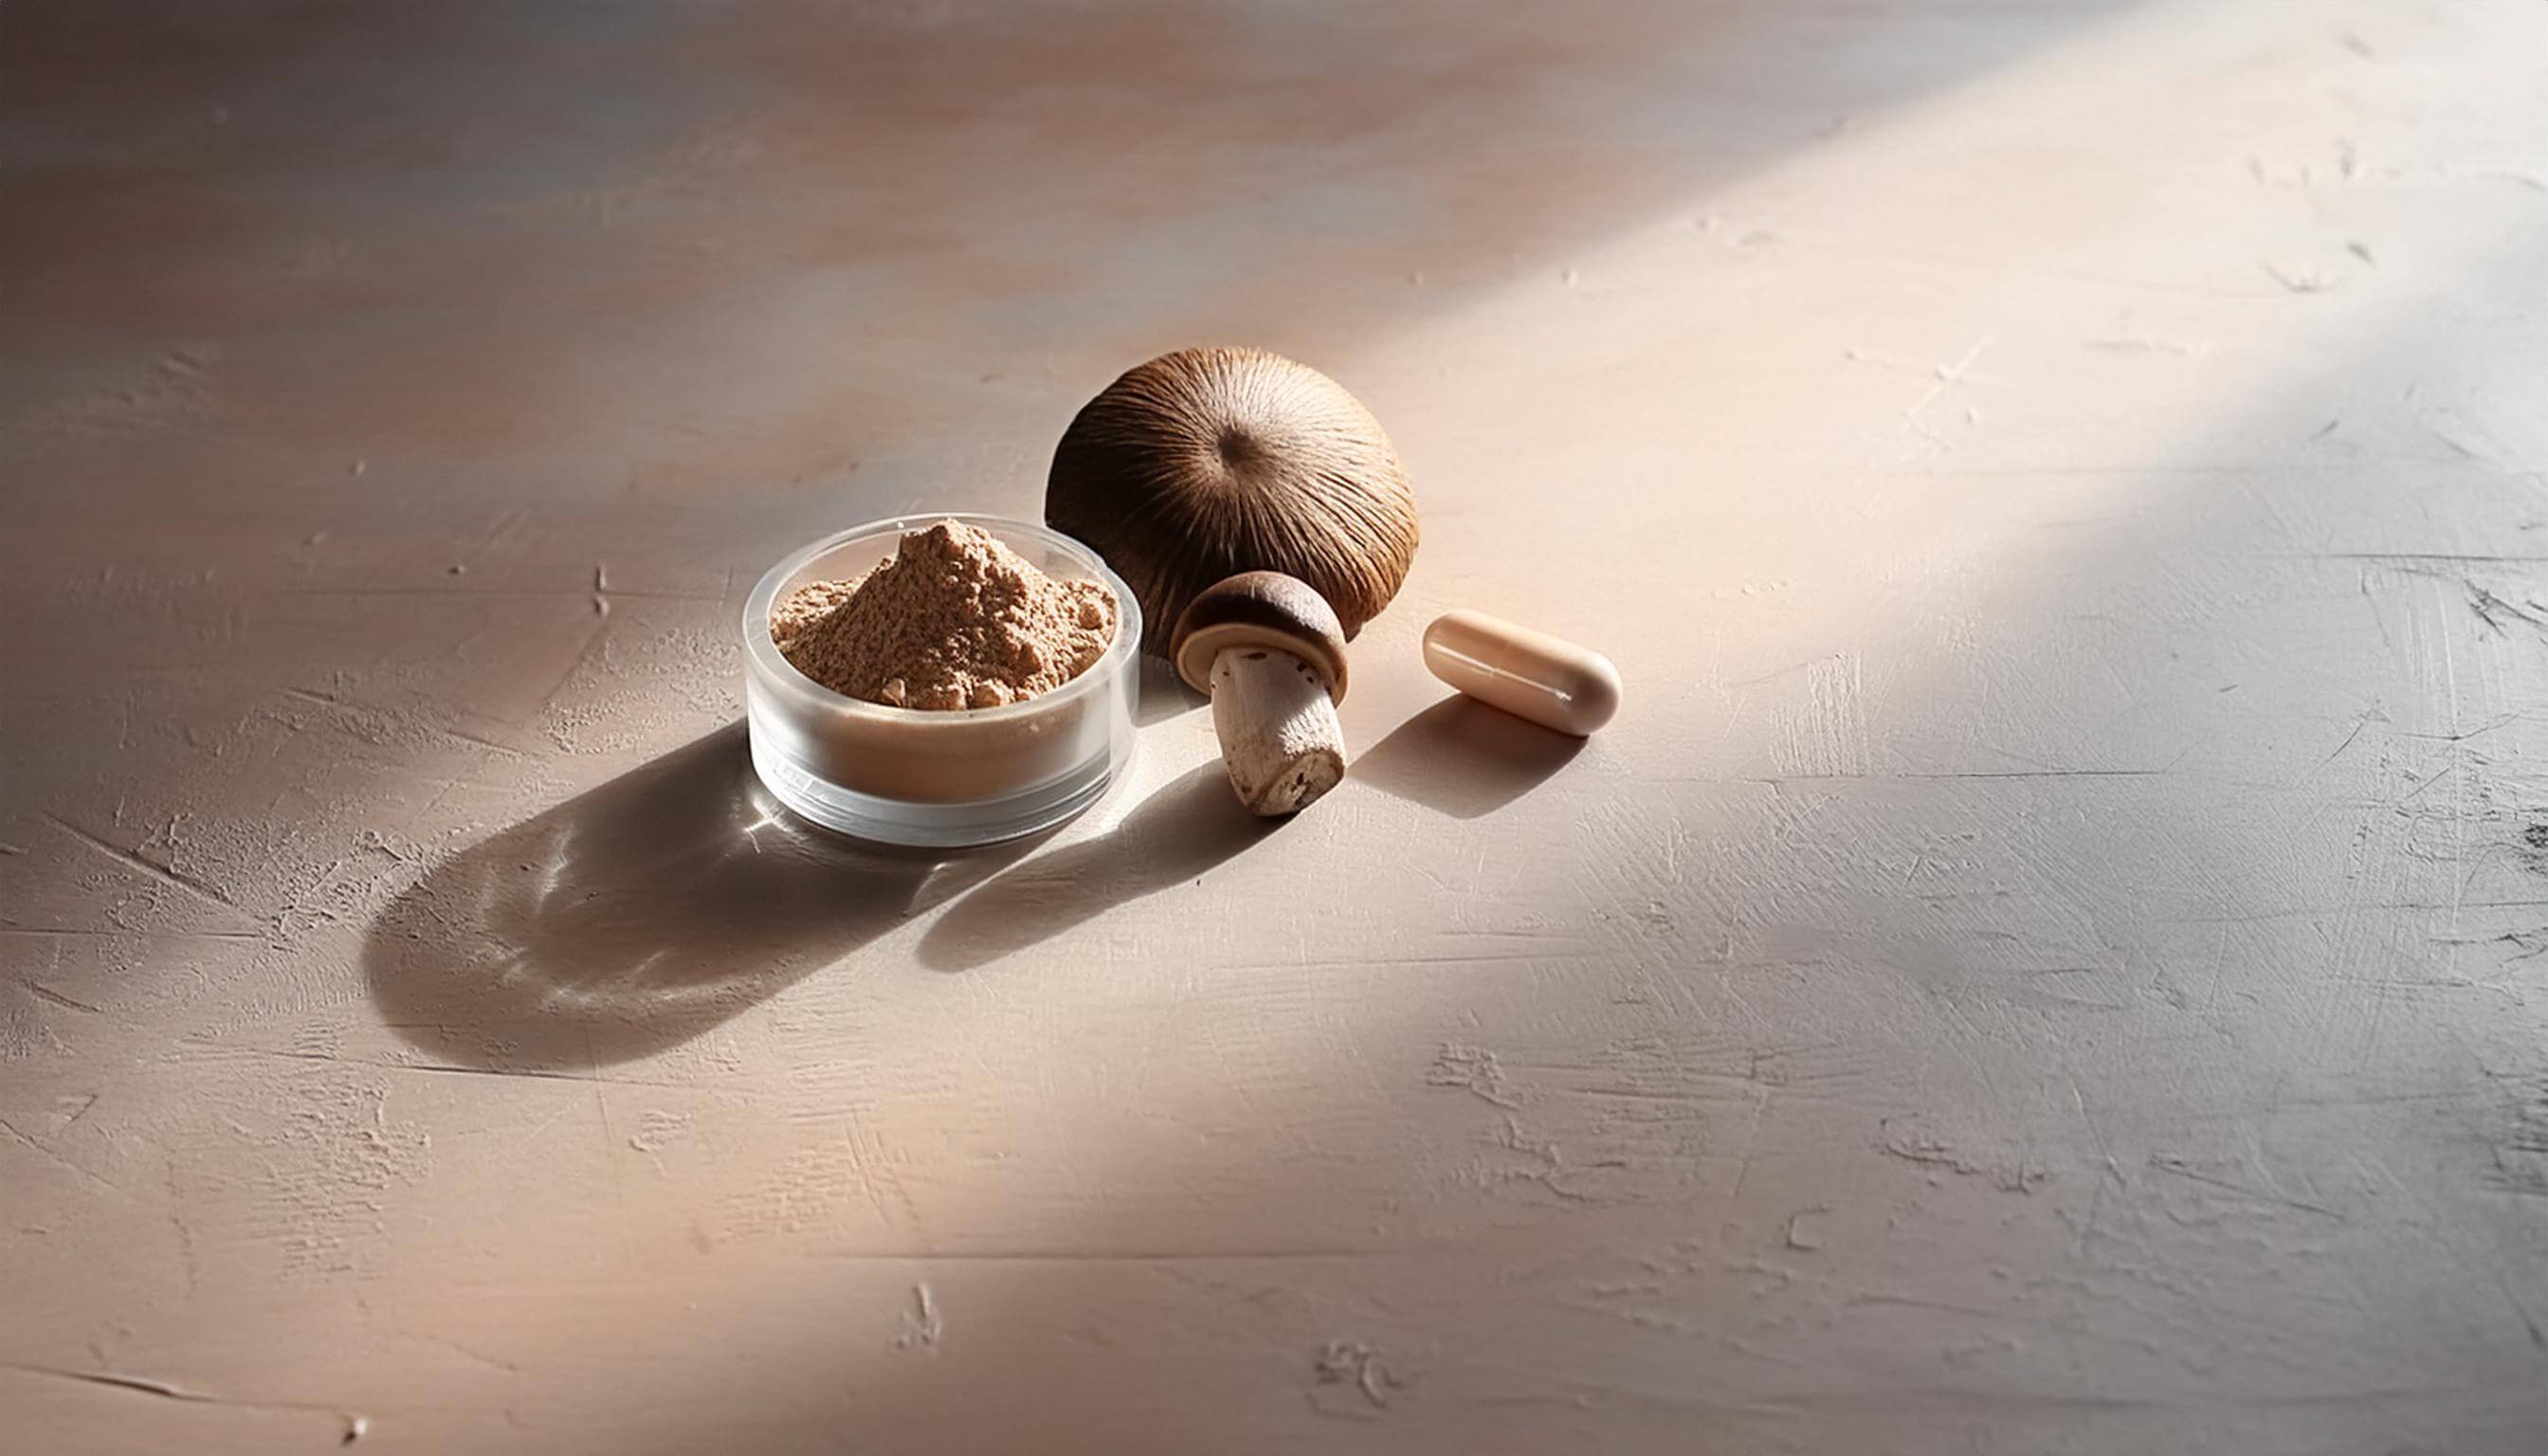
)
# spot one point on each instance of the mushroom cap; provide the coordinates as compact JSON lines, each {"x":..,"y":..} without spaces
{"x":1259,"y":609}
{"x":1206,"y":463}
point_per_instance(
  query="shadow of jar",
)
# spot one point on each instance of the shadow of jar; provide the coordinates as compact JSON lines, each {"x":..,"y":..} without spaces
{"x":637,"y":915}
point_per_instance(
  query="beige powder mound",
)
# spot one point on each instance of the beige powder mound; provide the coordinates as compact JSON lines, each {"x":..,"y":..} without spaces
{"x":954,"y":620}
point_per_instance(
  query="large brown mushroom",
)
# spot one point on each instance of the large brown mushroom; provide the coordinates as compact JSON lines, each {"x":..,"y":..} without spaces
{"x":1206,"y":463}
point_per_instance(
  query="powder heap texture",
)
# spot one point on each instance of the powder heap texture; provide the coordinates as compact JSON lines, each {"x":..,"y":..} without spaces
{"x":954,"y":620}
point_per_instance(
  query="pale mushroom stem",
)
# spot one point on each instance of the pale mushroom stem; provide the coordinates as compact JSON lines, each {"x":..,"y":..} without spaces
{"x":1279,"y":735}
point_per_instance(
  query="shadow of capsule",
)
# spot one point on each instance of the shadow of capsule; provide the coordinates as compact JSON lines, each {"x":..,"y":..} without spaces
{"x":1464,"y":758}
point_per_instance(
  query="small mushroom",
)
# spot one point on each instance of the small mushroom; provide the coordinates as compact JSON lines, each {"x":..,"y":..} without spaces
{"x":1272,"y":655}
{"x":1206,"y":463}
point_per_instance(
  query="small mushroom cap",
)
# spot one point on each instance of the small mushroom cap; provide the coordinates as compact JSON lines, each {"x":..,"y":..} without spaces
{"x":1260,"y":609}
{"x":1205,"y":463}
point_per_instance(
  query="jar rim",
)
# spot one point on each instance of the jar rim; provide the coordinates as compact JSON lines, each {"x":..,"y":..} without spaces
{"x":764,"y":655}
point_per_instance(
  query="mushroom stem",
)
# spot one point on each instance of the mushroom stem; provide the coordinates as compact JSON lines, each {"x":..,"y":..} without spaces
{"x":1279,"y":735}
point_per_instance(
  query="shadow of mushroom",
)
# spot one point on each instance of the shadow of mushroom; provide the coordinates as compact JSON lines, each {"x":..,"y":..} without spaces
{"x":1464,"y":758}
{"x":636,"y":916}
{"x":1185,"y":827}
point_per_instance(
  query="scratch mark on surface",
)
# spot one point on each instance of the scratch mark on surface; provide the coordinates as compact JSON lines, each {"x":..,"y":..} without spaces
{"x":2310,"y":281}
{"x":523,"y":593}
{"x":162,"y":1390}
{"x":1743,"y":1164}
{"x":12,"y":1130}
{"x":1386,"y":961}
{"x":48,"y":993}
{"x":133,"y":860}
{"x":2489,"y":607}
{"x":2439,"y":776}
{"x":436,"y":1067}
{"x":73,"y":932}
{"x":464,"y":1351}
{"x":2358,"y":725}
{"x":886,"y":1175}
{"x":2520,"y":1311}
{"x":2448,"y":558}
{"x":2015,"y":774}
{"x":344,"y":704}
{"x":2180,"y":1169}
{"x":1097,"y":1256}
{"x":581,"y":653}
{"x":2528,"y":181}
{"x":1913,"y":1302}
{"x":157,"y":1388}
{"x":1948,"y":376}
{"x":2145,"y":344}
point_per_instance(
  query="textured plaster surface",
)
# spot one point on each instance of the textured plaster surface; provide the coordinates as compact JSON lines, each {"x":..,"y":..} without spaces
{"x":2050,"y":959}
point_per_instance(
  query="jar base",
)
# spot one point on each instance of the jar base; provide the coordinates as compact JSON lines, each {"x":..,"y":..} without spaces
{"x":856,"y":815}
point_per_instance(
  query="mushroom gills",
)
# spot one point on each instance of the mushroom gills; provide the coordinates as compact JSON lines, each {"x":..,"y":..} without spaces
{"x":1279,"y":739}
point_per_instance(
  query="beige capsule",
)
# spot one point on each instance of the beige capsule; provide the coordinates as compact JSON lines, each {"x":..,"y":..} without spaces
{"x":1549,"y":680}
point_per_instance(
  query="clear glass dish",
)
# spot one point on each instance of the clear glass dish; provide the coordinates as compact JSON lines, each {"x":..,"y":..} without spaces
{"x":937,"y":778}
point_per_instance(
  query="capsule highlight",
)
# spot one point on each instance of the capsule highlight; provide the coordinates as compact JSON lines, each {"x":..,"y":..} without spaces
{"x":1547,"y":680}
